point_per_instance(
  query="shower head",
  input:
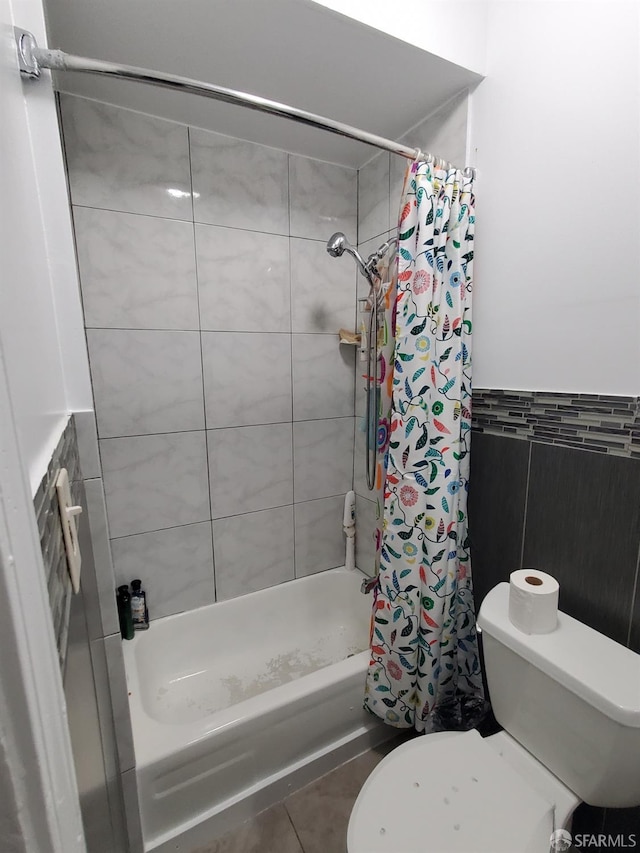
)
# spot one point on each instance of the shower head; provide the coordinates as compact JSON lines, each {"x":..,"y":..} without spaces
{"x":338,"y":244}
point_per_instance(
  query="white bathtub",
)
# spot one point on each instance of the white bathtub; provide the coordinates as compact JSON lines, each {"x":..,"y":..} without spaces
{"x":236,"y":704}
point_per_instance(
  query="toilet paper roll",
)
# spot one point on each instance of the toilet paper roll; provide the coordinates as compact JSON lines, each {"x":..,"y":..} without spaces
{"x":533,"y":601}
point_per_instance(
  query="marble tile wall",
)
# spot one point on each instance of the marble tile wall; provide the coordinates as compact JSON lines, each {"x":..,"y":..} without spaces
{"x":443,"y":133}
{"x":224,"y":406}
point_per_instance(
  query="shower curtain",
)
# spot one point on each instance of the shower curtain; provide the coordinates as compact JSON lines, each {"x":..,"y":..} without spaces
{"x":424,"y":655}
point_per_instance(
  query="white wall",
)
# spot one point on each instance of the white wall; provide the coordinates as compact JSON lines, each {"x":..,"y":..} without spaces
{"x":555,"y":125}
{"x":41,"y":334}
{"x":452,"y":29}
{"x":41,"y":811}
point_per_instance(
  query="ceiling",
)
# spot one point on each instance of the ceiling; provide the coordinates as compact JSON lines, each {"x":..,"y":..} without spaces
{"x":293,"y":51}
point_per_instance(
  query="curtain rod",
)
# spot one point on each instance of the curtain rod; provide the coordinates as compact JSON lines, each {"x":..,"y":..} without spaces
{"x":32,"y":58}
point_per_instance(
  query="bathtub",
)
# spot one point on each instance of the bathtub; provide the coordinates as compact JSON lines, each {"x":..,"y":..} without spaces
{"x":236,"y":704}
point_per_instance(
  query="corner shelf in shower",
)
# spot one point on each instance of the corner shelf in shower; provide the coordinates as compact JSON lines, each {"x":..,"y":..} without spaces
{"x":349,"y":338}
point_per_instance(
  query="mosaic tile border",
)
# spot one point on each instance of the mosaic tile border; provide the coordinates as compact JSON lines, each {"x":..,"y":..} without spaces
{"x":50,"y":529}
{"x":600,"y":422}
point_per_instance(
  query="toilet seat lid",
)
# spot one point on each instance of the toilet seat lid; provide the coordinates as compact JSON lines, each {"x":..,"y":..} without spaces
{"x":450,"y":792}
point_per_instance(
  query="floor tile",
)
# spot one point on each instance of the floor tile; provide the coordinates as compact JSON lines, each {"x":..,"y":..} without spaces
{"x":269,"y":832}
{"x":320,"y":812}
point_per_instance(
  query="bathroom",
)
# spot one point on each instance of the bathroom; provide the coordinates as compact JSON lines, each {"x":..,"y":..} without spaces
{"x":148,"y":277}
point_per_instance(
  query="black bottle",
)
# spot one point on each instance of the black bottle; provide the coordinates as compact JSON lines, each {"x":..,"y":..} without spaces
{"x":124,"y":612}
{"x":139,"y":610}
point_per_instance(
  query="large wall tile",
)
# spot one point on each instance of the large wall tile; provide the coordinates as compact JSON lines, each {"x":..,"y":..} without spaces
{"x":247,"y":378}
{"x":322,"y":289}
{"x":146,"y":382}
{"x":634,"y":633}
{"x":366,"y":535}
{"x":583,"y":527}
{"x":243,"y":280}
{"x":444,"y":133}
{"x":250,"y":468}
{"x":322,"y":377}
{"x":175,"y":566}
{"x":323,"y":458}
{"x":320,"y":540}
{"x":253,"y":551}
{"x":360,"y":460}
{"x":90,"y":590}
{"x":373,"y":198}
{"x":155,"y":481}
{"x":119,"y":701}
{"x":132,"y":811}
{"x":360,"y":439}
{"x":105,"y":578}
{"x":123,"y":160}
{"x":323,"y":199}
{"x":239,"y":184}
{"x":136,"y":272}
{"x":109,"y":747}
{"x":87,"y":434}
{"x":497,"y":499}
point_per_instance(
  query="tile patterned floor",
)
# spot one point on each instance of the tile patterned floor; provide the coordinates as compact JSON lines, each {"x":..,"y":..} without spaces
{"x":313,"y":820}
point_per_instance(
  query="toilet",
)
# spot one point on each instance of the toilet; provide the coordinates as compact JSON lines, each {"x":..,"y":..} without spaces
{"x":569,"y":703}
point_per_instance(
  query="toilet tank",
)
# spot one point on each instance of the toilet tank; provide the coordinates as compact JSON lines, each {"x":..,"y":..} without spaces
{"x":571,"y":698}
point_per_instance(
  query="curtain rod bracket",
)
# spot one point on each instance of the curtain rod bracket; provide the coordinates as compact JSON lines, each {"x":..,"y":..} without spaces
{"x":26,"y":45}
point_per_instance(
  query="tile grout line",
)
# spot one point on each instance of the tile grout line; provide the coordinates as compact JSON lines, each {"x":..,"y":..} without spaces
{"x":526,"y":503}
{"x":234,"y":332}
{"x":224,"y":517}
{"x":293,"y":826}
{"x":633,"y":598}
{"x":219,"y":428}
{"x":195,"y":221}
{"x":204,"y":396}
{"x":356,"y":351}
{"x":293,"y":452}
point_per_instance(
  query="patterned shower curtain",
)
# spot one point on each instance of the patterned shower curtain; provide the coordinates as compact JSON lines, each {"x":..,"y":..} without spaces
{"x":424,"y":653}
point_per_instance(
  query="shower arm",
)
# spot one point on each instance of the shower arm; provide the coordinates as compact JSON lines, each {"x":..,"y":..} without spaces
{"x":371,"y":264}
{"x":31,"y":59}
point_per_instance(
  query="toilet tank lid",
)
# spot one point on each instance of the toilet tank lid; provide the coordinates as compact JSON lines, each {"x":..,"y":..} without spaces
{"x":597,"y":669}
